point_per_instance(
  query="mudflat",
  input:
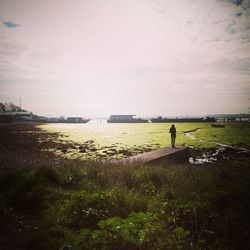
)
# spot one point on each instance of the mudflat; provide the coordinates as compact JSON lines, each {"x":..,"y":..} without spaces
{"x":25,"y":145}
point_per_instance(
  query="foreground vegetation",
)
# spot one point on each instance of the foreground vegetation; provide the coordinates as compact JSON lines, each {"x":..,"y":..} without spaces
{"x":98,"y":206}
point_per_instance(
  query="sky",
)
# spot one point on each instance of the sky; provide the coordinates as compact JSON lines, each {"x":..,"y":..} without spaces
{"x":94,"y":58}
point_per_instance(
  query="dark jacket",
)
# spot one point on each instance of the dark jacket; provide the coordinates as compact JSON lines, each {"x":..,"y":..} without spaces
{"x":172,"y":130}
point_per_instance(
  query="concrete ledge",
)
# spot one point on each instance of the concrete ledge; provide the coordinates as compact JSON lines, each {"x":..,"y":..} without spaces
{"x":178,"y":155}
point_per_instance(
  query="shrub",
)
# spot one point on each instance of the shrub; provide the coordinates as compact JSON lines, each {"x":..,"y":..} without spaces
{"x":117,"y":233}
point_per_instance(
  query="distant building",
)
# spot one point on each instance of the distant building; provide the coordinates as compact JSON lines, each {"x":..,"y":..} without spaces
{"x":75,"y":119}
{"x":125,"y":119}
{"x":209,"y":119}
{"x":121,"y":117}
{"x":23,"y":114}
{"x":190,"y":119}
{"x":16,"y":116}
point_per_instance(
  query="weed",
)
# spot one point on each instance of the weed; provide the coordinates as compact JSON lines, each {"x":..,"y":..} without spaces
{"x":95,"y":206}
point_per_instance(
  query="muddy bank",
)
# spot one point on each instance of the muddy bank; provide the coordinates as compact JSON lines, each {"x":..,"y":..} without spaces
{"x":222,"y":152}
{"x":25,"y":145}
{"x":90,"y":150}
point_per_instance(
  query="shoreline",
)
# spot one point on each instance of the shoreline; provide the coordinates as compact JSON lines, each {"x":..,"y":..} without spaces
{"x":25,"y":145}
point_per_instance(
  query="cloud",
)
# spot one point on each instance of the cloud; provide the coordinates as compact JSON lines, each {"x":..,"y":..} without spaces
{"x":10,"y":25}
{"x":193,"y":51}
{"x":8,"y":49}
{"x":237,"y":2}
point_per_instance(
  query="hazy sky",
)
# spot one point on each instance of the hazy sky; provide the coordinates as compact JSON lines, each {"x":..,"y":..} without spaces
{"x":145,"y":57}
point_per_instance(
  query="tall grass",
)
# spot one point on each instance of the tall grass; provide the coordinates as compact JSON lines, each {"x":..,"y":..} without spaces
{"x":101,"y":206}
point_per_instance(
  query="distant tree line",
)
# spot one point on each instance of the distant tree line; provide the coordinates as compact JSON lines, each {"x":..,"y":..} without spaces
{"x":9,"y":107}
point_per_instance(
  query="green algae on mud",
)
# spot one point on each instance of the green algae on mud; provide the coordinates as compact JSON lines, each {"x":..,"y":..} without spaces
{"x":102,"y":141}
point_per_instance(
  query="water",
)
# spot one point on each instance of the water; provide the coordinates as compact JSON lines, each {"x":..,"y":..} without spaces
{"x":210,"y":157}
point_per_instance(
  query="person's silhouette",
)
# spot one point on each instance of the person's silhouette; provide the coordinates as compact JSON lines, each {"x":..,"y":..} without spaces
{"x":172,"y":131}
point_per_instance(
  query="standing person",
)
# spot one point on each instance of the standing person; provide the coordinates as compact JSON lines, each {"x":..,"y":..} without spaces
{"x":172,"y":131}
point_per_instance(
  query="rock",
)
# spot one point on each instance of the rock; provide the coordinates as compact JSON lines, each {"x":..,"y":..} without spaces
{"x":111,"y":153}
{"x":125,"y":152}
{"x":90,"y":141}
{"x":100,"y":155}
{"x":93,"y":149}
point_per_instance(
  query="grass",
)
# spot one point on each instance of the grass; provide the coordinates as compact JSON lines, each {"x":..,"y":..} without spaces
{"x":70,"y":204}
{"x":235,"y":134}
{"x":109,"y":141}
{"x":100,"y":206}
